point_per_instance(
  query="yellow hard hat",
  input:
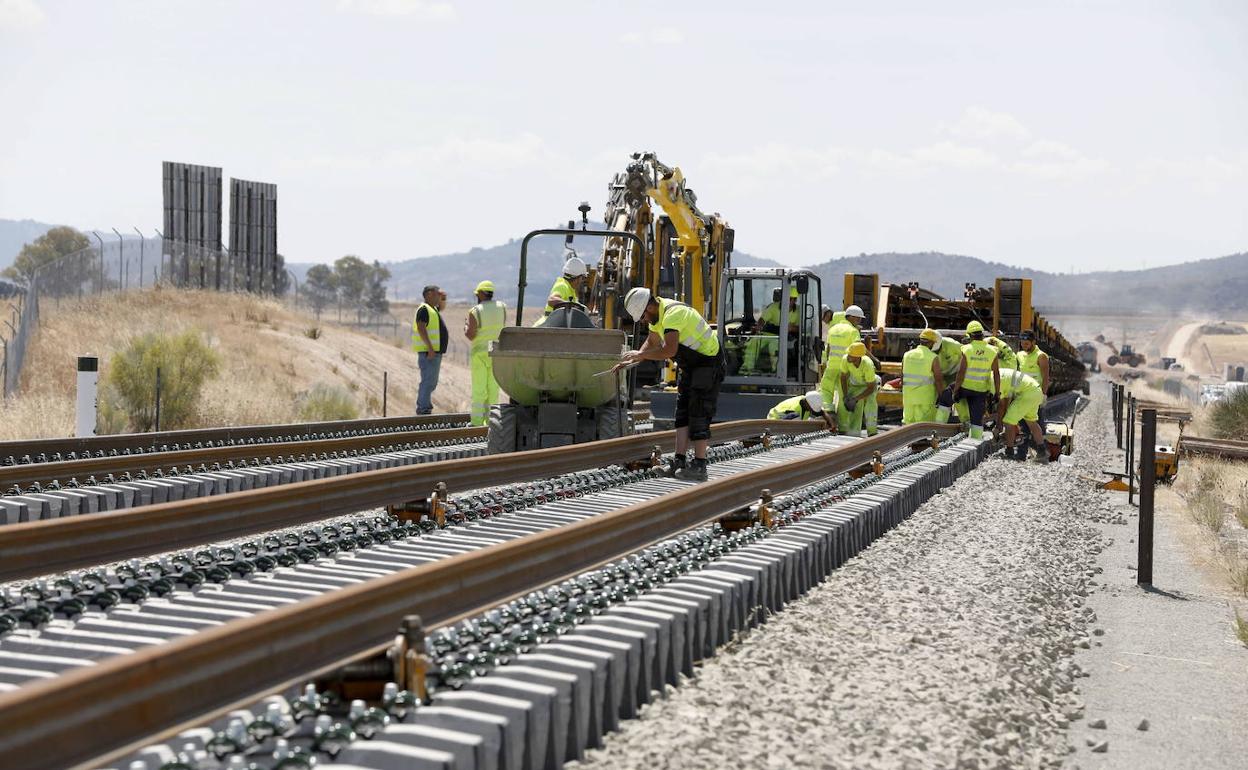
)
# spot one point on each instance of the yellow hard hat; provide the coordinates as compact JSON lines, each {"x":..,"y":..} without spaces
{"x":857,"y":349}
{"x":974,"y":327}
{"x":929,"y":335}
{"x":485,"y":286}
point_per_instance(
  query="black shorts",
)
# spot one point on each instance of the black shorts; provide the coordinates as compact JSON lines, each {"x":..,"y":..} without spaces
{"x":697,"y":393}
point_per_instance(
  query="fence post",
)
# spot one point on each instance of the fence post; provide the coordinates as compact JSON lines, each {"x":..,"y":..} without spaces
{"x":100,"y":287}
{"x":142,"y":243}
{"x":157,"y":426}
{"x":1117,"y":407}
{"x":4,"y":369}
{"x":1148,"y":480}
{"x":1131,"y":453}
{"x":385,"y":392}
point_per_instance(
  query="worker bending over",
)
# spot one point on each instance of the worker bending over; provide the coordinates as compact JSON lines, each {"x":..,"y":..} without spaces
{"x":485,"y":321}
{"x":1005,"y":353}
{"x":1019,"y":397}
{"x":843,"y":333}
{"x":679,"y":333}
{"x":949,"y":355}
{"x":805,"y":407}
{"x":857,"y":389}
{"x":566,"y":287}
{"x":979,"y":376}
{"x":921,"y":379}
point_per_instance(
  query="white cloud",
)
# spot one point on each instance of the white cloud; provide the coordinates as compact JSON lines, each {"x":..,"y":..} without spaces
{"x":953,"y":154}
{"x":438,"y":160}
{"x":20,"y":14}
{"x":421,"y":10}
{"x":656,"y":36}
{"x":983,"y":123}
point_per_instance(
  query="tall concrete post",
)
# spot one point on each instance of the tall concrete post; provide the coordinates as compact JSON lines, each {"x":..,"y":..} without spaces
{"x":88,"y":404}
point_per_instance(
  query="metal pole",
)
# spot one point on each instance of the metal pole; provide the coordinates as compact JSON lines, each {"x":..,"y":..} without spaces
{"x":121,"y":259}
{"x":160,"y":271}
{"x":1131,"y":454}
{"x":385,"y":392}
{"x":157,"y":426}
{"x":1116,"y":403}
{"x":142,"y":243}
{"x":100,"y":289}
{"x":1148,"y":480}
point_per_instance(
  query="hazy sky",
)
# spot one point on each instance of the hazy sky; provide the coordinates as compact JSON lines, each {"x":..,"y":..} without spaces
{"x":1084,"y":135}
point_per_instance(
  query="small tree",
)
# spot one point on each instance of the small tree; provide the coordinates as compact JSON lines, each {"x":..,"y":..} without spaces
{"x":185,"y":362}
{"x":352,"y":274}
{"x":375,"y":296}
{"x":47,"y":248}
{"x":320,"y":286}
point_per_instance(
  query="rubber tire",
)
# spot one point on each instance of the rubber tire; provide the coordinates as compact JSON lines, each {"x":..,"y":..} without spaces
{"x":501,"y":429}
{"x":607,"y":420}
{"x":1112,"y":360}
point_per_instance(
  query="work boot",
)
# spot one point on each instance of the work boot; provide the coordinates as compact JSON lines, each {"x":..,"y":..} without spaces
{"x":676,"y":465}
{"x":696,"y":471}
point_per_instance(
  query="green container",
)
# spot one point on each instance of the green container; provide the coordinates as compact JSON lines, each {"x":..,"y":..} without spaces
{"x":536,"y":364}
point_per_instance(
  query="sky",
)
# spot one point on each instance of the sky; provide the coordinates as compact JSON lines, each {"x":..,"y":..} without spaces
{"x":1066,"y":136}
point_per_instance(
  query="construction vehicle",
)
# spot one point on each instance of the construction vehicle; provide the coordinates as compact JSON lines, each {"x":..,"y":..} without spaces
{"x":1088,"y":355}
{"x":1125,"y":355}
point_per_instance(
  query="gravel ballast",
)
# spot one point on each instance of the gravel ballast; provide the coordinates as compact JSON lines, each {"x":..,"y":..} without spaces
{"x":948,"y":643}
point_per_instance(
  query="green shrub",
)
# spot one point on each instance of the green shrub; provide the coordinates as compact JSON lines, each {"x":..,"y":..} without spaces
{"x":312,"y":332}
{"x":185,"y":361}
{"x":327,"y":402}
{"x":1229,"y":416}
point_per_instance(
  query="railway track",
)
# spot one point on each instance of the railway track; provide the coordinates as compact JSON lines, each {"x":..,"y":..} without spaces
{"x":1215,"y":447}
{"x":165,"y":687}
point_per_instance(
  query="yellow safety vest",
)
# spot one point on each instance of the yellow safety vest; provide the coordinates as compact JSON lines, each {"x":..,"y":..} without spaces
{"x":860,"y":376}
{"x":692,"y":329}
{"x":433,"y":329}
{"x":918,"y":384}
{"x":1014,"y":383}
{"x":1004,"y":352}
{"x":950,"y":355}
{"x":840,"y":337}
{"x":790,"y":409}
{"x":491,"y":317}
{"x":564,"y":289}
{"x":770,"y":315}
{"x":1029,"y":363}
{"x":979,"y":357}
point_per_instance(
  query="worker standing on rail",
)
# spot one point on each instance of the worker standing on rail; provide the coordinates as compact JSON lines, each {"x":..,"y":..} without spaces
{"x":979,"y":376}
{"x":429,"y":339}
{"x":858,"y":385}
{"x":567,"y":287}
{"x":804,"y":407}
{"x":679,"y":333}
{"x":1019,"y":398}
{"x":843,"y":333}
{"x":486,"y":319}
{"x":921,"y":379}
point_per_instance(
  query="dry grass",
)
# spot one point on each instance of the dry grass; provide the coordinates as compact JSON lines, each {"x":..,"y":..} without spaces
{"x":1241,"y":630}
{"x":268,"y":359}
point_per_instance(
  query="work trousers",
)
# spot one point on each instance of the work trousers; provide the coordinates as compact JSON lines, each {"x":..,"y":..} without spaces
{"x":429,"y":368}
{"x":484,"y":386}
{"x":697,"y":393}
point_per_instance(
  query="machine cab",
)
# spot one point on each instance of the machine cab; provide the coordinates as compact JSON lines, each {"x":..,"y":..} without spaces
{"x":770,"y":329}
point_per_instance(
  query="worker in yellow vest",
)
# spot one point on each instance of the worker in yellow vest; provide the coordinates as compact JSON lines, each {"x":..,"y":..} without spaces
{"x":807,"y":406}
{"x":485,"y":321}
{"x":921,"y":379}
{"x":843,"y":333}
{"x":429,"y":340}
{"x":1032,"y":361}
{"x":679,"y":333}
{"x":762,"y":350}
{"x":858,"y":385}
{"x":1005,"y":353}
{"x":1019,"y":397}
{"x":979,"y":376}
{"x":566,"y":287}
{"x":949,"y":356}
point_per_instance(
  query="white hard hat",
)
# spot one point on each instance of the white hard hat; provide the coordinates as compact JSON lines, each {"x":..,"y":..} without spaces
{"x":815,"y":400}
{"x":574,"y":267}
{"x":635,"y":302}
{"x":853,"y":311}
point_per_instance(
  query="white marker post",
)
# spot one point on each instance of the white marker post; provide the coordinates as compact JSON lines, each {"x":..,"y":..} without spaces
{"x":88,"y":404}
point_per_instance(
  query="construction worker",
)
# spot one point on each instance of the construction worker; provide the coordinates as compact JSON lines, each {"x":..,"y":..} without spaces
{"x":979,"y":376}
{"x":764,"y":346}
{"x":1005,"y":353}
{"x":429,"y":339}
{"x":1033,"y":362}
{"x":566,"y":288}
{"x":921,"y":379}
{"x":858,"y":386}
{"x":679,"y":333}
{"x":949,"y":354}
{"x":486,"y":319}
{"x":1019,"y":397}
{"x":804,"y":407}
{"x":843,"y":333}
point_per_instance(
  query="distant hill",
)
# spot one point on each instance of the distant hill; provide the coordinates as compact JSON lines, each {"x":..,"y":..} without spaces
{"x":460,"y":272}
{"x":1216,"y":286}
{"x":14,"y":234}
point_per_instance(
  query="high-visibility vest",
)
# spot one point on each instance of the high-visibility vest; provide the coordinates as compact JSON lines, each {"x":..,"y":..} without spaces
{"x":790,"y":409}
{"x":1005,"y":352}
{"x":433,"y":329}
{"x":565,"y":290}
{"x":840,"y":337}
{"x":1029,"y":363}
{"x":918,"y":384}
{"x":491,"y":317}
{"x":1014,"y":384}
{"x":692,"y":328}
{"x":770,"y":315}
{"x":979,"y":357}
{"x":950,"y":355}
{"x":860,"y":376}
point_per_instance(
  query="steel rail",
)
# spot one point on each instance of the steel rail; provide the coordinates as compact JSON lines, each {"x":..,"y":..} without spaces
{"x":98,"y":713}
{"x":1217,"y":447}
{"x":24,"y":475}
{"x":121,"y":441}
{"x":43,"y":547}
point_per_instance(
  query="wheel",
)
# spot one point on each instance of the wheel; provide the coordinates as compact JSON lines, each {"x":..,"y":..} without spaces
{"x":501,"y":430}
{"x":608,"y":420}
{"x":1112,"y":360}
